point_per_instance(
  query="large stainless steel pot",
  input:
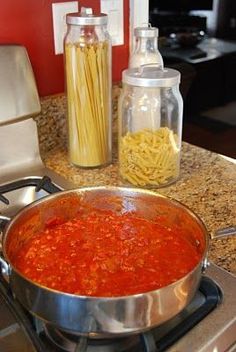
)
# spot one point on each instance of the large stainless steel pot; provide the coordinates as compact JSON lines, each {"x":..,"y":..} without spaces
{"x":103,"y":316}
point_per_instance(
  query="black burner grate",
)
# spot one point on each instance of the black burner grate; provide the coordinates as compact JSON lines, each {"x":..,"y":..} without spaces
{"x":44,"y":183}
{"x":16,"y":332}
{"x":207,"y":298}
{"x":17,"y":194}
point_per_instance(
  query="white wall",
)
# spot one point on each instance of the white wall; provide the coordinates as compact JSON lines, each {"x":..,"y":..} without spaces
{"x":139,"y":16}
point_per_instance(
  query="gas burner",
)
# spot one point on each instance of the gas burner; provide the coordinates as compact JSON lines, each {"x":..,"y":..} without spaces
{"x":70,"y":343}
{"x":17,"y":194}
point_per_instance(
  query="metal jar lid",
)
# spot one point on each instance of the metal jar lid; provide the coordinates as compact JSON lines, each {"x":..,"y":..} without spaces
{"x":146,"y":32}
{"x":86,"y":17}
{"x":151,"y":75}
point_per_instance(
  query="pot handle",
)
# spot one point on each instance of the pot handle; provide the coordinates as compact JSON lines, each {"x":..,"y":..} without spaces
{"x":218,"y":234}
{"x":4,"y":220}
{"x":224,"y":232}
{"x":4,"y":266}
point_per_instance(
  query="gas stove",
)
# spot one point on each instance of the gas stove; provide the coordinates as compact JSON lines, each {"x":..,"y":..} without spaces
{"x":207,"y":324}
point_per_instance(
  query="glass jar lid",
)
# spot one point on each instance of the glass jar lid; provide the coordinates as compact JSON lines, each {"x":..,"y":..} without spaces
{"x":86,"y":17}
{"x":151,"y":75}
{"x":146,"y":32}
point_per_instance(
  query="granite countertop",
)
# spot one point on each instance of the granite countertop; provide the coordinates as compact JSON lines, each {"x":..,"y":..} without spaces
{"x":207,"y":182}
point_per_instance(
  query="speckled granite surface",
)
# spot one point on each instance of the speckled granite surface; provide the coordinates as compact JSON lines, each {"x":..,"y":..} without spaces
{"x":207,"y":183}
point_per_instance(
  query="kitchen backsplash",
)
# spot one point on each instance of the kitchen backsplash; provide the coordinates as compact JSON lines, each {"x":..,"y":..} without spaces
{"x":29,"y":23}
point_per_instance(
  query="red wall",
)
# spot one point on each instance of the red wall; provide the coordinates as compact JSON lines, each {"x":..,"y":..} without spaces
{"x":29,"y":23}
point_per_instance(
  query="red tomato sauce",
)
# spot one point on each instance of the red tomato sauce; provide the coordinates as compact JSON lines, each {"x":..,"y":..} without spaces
{"x":105,"y":255}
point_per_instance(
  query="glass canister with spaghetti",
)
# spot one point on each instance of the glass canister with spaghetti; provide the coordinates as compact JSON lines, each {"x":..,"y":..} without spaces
{"x":87,"y":54}
{"x":150,"y":126}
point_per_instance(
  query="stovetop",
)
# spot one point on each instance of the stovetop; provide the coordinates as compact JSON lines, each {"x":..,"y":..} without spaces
{"x":207,"y":324}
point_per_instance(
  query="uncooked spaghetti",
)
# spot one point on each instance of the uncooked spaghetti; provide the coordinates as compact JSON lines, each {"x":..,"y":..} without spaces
{"x":88,"y":100}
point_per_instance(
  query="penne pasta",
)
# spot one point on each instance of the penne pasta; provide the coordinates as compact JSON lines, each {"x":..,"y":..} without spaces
{"x":149,"y":158}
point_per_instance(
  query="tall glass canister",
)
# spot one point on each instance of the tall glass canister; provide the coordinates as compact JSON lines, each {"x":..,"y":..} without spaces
{"x":87,"y":52}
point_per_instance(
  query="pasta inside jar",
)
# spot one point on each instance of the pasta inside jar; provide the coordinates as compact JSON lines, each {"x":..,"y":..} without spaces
{"x":149,"y":157}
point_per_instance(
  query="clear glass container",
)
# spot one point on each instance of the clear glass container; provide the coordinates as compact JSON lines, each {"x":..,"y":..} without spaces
{"x":146,"y":47}
{"x":87,"y":54}
{"x":150,"y":126}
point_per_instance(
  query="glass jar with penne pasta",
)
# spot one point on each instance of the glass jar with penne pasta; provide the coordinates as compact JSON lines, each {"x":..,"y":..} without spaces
{"x":150,"y":126}
{"x":87,"y":54}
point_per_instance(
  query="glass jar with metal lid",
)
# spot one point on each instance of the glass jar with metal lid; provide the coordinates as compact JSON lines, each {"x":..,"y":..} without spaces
{"x":146,"y":47}
{"x":150,"y":126}
{"x":87,"y":51}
